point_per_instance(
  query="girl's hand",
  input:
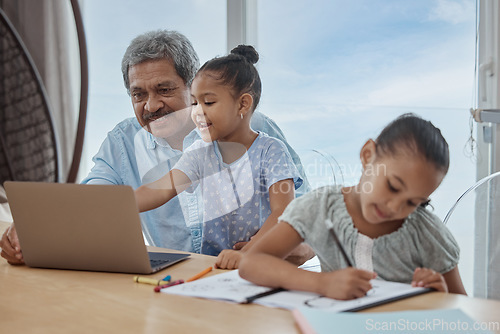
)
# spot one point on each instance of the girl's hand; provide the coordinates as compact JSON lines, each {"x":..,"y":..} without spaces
{"x":346,"y":283}
{"x":228,"y":259}
{"x":428,"y":278}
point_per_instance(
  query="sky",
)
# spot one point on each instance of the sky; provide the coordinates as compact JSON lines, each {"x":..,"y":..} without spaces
{"x":334,"y":72}
{"x":361,"y":63}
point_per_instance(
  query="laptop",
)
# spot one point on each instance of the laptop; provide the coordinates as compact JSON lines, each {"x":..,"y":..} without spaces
{"x":82,"y":227}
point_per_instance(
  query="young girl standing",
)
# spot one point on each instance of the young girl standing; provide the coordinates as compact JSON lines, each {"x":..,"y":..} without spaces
{"x":246,"y":178}
{"x":381,"y":223}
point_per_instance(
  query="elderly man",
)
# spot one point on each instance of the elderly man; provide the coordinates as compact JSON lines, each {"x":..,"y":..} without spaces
{"x":158,"y":68}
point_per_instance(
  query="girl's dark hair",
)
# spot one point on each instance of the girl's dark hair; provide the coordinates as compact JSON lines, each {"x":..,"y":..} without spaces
{"x":417,"y":135}
{"x":237,"y":71}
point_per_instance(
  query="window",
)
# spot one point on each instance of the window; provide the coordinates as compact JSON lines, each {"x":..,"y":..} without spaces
{"x":333,"y":72}
{"x":111,"y":25}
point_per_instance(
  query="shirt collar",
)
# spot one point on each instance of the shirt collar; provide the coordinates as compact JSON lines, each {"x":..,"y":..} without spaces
{"x":152,"y":141}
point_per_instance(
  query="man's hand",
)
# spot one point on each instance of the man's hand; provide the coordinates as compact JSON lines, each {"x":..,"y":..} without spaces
{"x":240,"y":245}
{"x":298,"y":256}
{"x":11,"y":249}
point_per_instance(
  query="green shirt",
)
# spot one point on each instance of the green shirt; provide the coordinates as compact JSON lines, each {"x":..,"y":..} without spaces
{"x":422,"y":241}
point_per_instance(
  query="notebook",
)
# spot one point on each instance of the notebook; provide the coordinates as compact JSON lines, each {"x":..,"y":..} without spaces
{"x":82,"y":227}
{"x":314,"y":321}
{"x":229,"y":286}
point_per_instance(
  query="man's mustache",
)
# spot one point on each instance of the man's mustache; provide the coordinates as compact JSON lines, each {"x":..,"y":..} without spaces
{"x":156,"y":114}
{"x":162,"y":113}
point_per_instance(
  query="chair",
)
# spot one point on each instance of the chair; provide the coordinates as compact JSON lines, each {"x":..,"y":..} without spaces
{"x":321,"y":168}
{"x":28,"y":146}
{"x":28,"y":149}
{"x":473,"y":218}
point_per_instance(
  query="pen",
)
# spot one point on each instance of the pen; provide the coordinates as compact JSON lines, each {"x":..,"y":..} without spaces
{"x":147,"y":280}
{"x":344,"y":254}
{"x":200,"y":274}
{"x":250,"y":299}
{"x":158,"y":288}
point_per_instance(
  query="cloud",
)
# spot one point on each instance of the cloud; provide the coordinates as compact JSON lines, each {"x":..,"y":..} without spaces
{"x":434,"y":88}
{"x":452,"y":11}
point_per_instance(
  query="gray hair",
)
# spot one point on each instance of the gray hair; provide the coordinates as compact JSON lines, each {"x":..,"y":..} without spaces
{"x":162,"y":44}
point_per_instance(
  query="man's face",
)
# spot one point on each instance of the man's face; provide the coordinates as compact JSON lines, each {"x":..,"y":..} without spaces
{"x":161,"y":100}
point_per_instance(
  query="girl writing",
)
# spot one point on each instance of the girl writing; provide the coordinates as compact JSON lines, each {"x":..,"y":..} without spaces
{"x":381,"y":223}
{"x":246,"y":178}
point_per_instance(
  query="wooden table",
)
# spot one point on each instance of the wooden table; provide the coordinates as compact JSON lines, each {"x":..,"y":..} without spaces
{"x":65,"y":301}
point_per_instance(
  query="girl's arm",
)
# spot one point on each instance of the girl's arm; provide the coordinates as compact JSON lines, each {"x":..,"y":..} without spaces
{"x":281,"y":194}
{"x":264,"y":264}
{"x":155,"y":194}
{"x":454,"y":281}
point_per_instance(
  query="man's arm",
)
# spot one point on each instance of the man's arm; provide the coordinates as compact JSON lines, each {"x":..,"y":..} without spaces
{"x":115,"y":162}
{"x":106,"y":169}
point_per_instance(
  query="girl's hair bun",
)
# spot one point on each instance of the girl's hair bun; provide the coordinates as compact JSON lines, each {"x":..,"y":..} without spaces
{"x":248,"y":52}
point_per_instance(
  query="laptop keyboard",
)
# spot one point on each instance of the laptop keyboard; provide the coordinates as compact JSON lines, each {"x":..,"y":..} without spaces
{"x":156,"y":263}
{"x":162,"y":260}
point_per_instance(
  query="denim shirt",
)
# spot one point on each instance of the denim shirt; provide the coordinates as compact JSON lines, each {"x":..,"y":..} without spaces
{"x":132,"y":156}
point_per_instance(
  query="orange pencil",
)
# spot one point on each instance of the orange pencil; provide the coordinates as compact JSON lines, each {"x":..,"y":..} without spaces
{"x":195,"y":277}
